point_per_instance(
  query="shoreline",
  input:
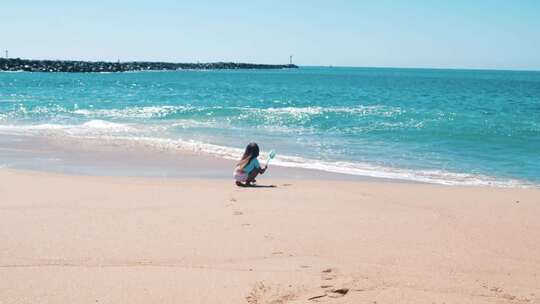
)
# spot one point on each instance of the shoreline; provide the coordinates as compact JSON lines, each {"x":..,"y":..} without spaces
{"x":94,"y":157}
{"x":71,"y":238}
{"x":116,"y":156}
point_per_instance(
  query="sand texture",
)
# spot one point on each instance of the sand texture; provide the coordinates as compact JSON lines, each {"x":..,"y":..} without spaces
{"x":82,"y":239}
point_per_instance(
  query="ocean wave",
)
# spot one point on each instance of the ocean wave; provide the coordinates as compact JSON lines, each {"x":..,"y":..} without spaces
{"x":166,"y":110}
{"x":91,"y":127}
{"x":426,"y":176}
{"x":270,"y":114}
{"x":315,"y":116}
{"x":133,"y":112}
{"x":192,"y":123}
{"x":107,"y":125}
{"x":119,"y":113}
{"x":381,"y":110}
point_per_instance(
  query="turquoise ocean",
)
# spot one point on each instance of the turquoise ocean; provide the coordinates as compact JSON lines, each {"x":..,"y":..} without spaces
{"x":457,"y":127}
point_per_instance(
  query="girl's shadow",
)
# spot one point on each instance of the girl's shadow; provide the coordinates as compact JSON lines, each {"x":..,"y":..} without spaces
{"x":262,"y":186}
{"x":257,"y":186}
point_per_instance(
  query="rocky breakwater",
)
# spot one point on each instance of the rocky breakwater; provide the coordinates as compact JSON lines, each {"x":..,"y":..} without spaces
{"x":17,"y":64}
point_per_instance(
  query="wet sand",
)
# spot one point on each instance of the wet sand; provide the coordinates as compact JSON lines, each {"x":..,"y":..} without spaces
{"x":96,"y":239}
{"x":127,"y":158}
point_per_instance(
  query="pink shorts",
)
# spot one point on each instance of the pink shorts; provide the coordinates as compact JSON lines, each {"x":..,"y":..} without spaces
{"x":240,"y":176}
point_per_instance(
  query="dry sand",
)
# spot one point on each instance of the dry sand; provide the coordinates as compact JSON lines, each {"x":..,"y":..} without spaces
{"x":82,"y":239}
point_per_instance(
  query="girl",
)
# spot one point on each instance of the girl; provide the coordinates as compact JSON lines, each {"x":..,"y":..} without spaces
{"x":248,"y":167}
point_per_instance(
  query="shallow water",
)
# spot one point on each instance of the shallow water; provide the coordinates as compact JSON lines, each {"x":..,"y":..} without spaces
{"x":441,"y":126}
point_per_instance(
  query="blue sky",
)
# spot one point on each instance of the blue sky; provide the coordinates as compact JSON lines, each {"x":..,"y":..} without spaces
{"x":448,"y":34}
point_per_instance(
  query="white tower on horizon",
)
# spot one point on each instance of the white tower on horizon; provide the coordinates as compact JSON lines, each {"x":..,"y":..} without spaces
{"x":290,"y":59}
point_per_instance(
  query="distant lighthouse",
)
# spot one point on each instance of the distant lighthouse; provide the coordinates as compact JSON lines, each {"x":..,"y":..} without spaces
{"x":290,"y":59}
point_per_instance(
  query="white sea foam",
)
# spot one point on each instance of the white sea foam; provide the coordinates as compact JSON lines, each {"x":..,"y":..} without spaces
{"x":293,"y":110}
{"x":191,"y":123}
{"x":359,"y":109}
{"x":88,"y":128}
{"x":427,"y":176}
{"x":162,"y":111}
{"x":107,"y":125}
{"x":132,"y":112}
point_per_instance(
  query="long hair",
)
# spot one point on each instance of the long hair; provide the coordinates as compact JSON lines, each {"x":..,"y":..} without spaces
{"x":252,"y":151}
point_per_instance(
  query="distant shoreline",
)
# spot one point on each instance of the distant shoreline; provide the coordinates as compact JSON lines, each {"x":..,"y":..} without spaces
{"x":72,"y":66}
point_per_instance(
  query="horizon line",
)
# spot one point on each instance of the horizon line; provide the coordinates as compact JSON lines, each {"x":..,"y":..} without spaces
{"x":421,"y":68}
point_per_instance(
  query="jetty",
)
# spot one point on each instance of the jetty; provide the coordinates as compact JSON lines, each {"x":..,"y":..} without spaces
{"x":71,"y":66}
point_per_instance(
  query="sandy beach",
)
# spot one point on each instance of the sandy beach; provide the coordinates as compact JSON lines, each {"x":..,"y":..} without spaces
{"x":278,"y":152}
{"x":92,"y":239}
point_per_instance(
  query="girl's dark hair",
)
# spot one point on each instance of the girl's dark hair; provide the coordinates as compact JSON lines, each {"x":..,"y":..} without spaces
{"x":251,"y":152}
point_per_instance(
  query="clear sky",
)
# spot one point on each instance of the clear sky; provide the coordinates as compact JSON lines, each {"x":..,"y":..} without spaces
{"x":492,"y":34}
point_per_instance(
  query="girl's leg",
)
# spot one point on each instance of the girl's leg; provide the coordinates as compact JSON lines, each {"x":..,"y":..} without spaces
{"x":251,"y":176}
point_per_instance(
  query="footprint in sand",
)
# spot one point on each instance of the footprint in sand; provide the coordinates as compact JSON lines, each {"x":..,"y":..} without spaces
{"x":330,"y":293}
{"x":328,"y":274}
{"x":329,"y":290}
{"x":499,"y":293}
{"x":338,"y":293}
{"x":231,"y":202}
{"x":238,"y":213}
{"x":496,"y":289}
{"x":316,"y":297}
{"x":261,"y":293}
